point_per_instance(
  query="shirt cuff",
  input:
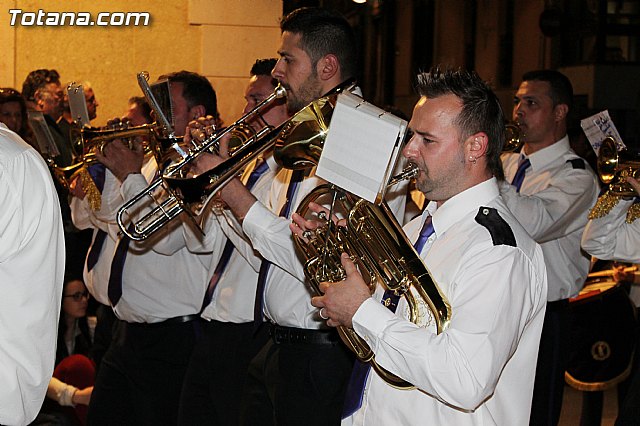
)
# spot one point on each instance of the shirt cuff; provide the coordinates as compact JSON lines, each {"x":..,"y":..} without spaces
{"x":371,"y":320}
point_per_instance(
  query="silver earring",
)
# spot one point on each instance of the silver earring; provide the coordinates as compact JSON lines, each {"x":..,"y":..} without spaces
{"x":473,"y":159}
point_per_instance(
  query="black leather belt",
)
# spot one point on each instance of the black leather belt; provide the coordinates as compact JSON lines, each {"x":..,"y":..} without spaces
{"x":302,"y":336}
{"x":170,"y":321}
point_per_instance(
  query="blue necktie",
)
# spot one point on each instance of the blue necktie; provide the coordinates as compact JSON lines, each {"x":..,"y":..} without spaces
{"x":296,"y":178}
{"x":355,"y":388}
{"x":518,"y":178}
{"x":228,"y":246}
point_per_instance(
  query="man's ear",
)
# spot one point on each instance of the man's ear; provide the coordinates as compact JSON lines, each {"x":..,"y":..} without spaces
{"x":197,"y":111}
{"x":560,"y":112}
{"x":476,"y":145}
{"x":327,"y":67}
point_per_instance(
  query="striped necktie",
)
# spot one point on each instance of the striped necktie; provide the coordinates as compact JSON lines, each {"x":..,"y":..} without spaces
{"x":296,"y":178}
{"x":228,"y":246}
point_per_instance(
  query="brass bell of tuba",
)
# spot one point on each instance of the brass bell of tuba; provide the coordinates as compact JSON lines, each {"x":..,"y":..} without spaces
{"x":613,"y":168}
{"x":372,"y":236}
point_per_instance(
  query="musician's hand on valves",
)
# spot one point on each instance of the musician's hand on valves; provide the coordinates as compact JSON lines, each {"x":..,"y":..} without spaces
{"x":121,"y":160}
{"x":303,"y":228}
{"x":341,"y":300}
{"x":200,"y":129}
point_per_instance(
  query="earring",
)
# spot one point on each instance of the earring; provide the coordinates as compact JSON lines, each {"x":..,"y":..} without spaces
{"x":473,"y":159}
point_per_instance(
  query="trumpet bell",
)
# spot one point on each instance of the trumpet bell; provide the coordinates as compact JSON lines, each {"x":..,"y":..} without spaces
{"x":512,"y":138}
{"x":614,"y":167}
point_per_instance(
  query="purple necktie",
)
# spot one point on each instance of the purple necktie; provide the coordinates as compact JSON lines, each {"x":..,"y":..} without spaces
{"x":228,"y":246}
{"x":355,"y":388}
{"x":518,"y":178}
{"x":296,"y":178}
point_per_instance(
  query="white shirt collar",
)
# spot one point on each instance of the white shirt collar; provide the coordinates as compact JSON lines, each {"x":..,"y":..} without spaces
{"x":461,"y":205}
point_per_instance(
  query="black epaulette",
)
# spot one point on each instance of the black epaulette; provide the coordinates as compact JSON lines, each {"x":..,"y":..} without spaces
{"x":500,"y":231}
{"x":577,"y":163}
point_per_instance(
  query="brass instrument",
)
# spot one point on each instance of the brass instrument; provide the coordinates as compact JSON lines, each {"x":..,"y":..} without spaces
{"x":87,"y":141}
{"x":613,"y":168}
{"x":610,"y":272}
{"x":372,"y":236}
{"x":376,"y":243}
{"x":512,"y":138}
{"x":95,"y":139}
{"x":190,"y":193}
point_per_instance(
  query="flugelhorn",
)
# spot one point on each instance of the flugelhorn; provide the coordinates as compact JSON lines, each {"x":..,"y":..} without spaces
{"x":614,"y":167}
{"x":190,"y":193}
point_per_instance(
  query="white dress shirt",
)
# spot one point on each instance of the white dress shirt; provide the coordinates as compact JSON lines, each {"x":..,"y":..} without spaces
{"x":162,"y":278}
{"x":552,"y":206}
{"x":84,"y":217}
{"x":287,"y":297}
{"x":32,"y":259}
{"x":480,"y":370}
{"x":611,"y":238}
{"x":234,"y":295}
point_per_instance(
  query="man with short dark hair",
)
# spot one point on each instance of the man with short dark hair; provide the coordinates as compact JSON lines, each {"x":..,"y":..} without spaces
{"x":479,"y":370}
{"x":550,"y":190}
{"x":211,"y":394}
{"x":300,"y":376}
{"x":155,"y":286}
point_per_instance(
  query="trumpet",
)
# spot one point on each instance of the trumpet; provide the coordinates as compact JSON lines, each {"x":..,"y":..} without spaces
{"x":614,"y":167}
{"x":191,"y":194}
{"x":89,"y":140}
{"x":512,"y":137}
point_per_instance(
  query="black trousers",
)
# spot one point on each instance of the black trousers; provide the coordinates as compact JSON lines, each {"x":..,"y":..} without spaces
{"x":297,"y":383}
{"x":553,"y":355}
{"x":215,"y":378}
{"x":141,"y":375}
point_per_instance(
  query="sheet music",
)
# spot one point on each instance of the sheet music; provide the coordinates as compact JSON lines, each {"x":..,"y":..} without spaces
{"x":44,"y":138}
{"x":361,"y":147}
{"x":598,"y":127}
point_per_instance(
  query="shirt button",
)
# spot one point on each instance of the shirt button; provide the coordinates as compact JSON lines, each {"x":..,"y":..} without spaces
{"x":485,"y":211}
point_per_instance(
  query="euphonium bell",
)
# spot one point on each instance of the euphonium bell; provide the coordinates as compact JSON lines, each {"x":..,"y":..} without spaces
{"x":376,"y":243}
{"x":614,"y":167}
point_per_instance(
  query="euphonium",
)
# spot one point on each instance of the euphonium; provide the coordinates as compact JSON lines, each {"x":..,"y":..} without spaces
{"x":376,"y":243}
{"x":613,"y":168}
{"x":190,"y":193}
{"x":372,"y":236}
{"x":512,"y":137}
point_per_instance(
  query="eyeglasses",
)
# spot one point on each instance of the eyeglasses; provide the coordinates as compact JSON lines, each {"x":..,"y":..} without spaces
{"x":78,"y":296}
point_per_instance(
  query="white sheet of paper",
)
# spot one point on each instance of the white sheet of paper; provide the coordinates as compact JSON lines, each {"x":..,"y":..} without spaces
{"x":598,"y":127}
{"x":361,"y":148}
